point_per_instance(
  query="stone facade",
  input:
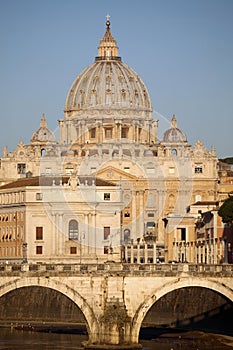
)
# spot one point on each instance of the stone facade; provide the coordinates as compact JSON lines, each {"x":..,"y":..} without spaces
{"x":108,"y":133}
{"x":54,"y":219}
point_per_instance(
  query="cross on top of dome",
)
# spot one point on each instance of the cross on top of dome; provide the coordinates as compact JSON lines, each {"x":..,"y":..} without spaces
{"x":108,"y":22}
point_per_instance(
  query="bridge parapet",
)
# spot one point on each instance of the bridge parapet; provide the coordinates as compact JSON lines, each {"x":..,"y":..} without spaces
{"x":115,"y":297}
{"x":117,"y":269}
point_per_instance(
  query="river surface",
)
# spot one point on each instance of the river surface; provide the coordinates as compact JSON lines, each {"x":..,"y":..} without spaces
{"x":11,"y":339}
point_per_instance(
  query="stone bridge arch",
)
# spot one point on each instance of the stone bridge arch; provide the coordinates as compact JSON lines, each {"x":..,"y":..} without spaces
{"x":71,"y":293}
{"x":169,"y":287}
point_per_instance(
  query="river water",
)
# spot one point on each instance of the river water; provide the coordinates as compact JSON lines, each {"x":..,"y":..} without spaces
{"x":11,"y":339}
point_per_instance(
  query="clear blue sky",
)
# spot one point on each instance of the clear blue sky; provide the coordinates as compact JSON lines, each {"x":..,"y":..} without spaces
{"x":182,"y":49}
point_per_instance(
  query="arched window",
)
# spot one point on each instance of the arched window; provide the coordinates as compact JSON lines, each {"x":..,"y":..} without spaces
{"x":174,"y":152}
{"x":126,"y":235}
{"x":73,"y":229}
{"x":171,"y":201}
{"x":43,"y":152}
{"x":198,"y":198}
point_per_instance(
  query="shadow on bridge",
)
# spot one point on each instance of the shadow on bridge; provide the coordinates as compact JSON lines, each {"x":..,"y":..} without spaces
{"x":218,"y":320}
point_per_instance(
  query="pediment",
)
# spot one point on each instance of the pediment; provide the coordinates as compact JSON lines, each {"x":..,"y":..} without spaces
{"x":113,"y":174}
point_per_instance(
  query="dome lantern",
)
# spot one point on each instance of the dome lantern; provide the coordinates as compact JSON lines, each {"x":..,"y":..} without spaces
{"x":108,"y":49}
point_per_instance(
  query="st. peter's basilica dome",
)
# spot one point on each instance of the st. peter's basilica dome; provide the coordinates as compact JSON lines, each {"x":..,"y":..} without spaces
{"x":108,"y":83}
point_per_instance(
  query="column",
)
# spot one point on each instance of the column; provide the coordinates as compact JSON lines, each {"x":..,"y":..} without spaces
{"x":136,"y":133}
{"x":207,"y":252}
{"x":53,"y":237}
{"x":120,"y":128}
{"x":92,"y":241}
{"x":146,"y":254}
{"x":154,"y":253}
{"x":61,"y":236}
{"x":126,"y":252}
{"x":134,"y":216}
{"x":56,"y":231}
{"x":98,"y":134}
{"x":133,"y":131}
{"x":138,"y":253}
{"x":85,"y":233}
{"x":174,"y":251}
{"x":195,"y":252}
{"x":211,"y":253}
{"x":224,"y":251}
{"x":199,"y":254}
{"x":89,"y":232}
{"x":132,"y":253}
{"x":141,"y":210}
{"x":187,"y":252}
{"x":215,"y":251}
{"x":190,"y":252}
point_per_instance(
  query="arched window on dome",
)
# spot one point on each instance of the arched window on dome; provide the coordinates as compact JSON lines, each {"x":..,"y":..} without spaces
{"x":174,"y":152}
{"x":73,"y":229}
{"x":43,"y":152}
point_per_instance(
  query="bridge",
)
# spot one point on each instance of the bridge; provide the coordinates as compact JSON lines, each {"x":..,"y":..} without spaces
{"x":115,"y":297}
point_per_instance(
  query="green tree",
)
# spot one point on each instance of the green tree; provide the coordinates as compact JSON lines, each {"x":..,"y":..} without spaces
{"x":226,"y":211}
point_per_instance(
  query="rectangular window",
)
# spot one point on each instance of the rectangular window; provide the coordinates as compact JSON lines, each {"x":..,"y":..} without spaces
{"x":39,"y":233}
{"x":93,"y":170}
{"x":124,"y":133}
{"x":39,"y":196}
{"x":39,"y":249}
{"x":150,"y":170}
{"x":69,"y":171}
{"x":151,"y":200}
{"x":21,"y":168}
{"x":127,"y":169}
{"x":198,"y":170}
{"x":107,"y":196}
{"x":171,"y":170}
{"x":48,"y":171}
{"x":151,"y":215}
{"x":182,"y":233}
{"x":92,"y":133}
{"x":106,"y":232}
{"x":73,"y":250}
{"x":108,"y":133}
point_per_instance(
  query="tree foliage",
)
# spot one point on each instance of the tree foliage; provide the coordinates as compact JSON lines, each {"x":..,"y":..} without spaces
{"x":228,"y":160}
{"x":226,"y":211}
